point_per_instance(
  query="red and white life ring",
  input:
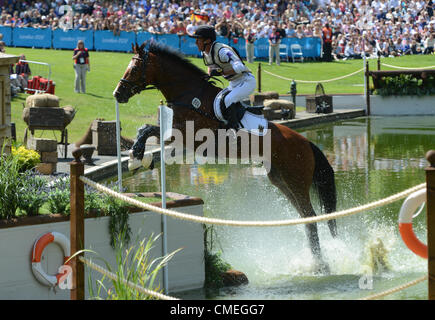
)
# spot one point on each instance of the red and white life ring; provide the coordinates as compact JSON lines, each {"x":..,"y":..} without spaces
{"x":409,"y":206}
{"x":39,"y":247}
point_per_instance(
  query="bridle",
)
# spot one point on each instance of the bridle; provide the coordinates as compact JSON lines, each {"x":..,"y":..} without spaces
{"x":134,"y":87}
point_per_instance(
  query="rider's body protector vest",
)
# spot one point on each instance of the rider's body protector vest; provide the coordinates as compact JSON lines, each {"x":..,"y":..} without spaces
{"x":213,"y":60}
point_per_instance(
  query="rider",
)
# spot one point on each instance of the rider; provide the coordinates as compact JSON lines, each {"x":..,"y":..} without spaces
{"x":223,"y":60}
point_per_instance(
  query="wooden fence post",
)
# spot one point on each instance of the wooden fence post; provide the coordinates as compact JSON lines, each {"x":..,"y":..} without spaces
{"x":367,"y":89}
{"x":77,"y":225}
{"x":259,"y":78}
{"x":430,"y":205}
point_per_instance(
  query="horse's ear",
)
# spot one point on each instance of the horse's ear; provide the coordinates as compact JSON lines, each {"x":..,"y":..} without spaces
{"x":137,"y":49}
{"x":142,"y":47}
{"x":133,"y":49}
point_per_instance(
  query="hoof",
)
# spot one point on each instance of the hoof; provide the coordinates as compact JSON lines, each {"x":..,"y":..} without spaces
{"x":147,"y":160}
{"x":135,"y":163}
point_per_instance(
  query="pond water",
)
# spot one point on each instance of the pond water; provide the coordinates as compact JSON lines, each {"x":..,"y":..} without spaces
{"x":373,"y":157}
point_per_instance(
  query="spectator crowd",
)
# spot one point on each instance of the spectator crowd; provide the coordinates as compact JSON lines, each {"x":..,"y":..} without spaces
{"x":348,"y":28}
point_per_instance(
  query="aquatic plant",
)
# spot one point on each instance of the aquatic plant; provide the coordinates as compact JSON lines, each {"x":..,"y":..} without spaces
{"x":215,"y":266}
{"x":134,"y":264}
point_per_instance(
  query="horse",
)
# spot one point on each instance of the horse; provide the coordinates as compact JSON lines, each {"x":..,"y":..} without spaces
{"x":296,"y":164}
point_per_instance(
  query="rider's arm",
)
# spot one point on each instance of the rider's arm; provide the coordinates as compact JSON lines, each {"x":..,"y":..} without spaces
{"x":227,"y":55}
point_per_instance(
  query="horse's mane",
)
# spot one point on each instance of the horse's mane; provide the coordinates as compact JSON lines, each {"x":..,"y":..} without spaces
{"x":174,"y":55}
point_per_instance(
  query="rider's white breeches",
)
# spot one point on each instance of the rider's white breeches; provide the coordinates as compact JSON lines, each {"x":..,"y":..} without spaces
{"x":240,"y":89}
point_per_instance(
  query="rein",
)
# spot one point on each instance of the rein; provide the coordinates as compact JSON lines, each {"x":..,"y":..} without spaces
{"x":137,"y":88}
{"x":204,"y":113}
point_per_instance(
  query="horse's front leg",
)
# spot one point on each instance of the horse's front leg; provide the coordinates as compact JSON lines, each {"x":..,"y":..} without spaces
{"x":138,"y":149}
{"x":143,"y":133}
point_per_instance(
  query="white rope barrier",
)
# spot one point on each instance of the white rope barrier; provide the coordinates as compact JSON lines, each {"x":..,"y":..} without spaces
{"x":306,"y":81}
{"x":395,"y":289}
{"x":134,"y":286}
{"x":206,"y":220}
{"x":238,"y":223}
{"x":406,"y":68}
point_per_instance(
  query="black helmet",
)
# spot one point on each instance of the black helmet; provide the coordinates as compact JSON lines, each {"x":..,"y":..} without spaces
{"x":205,"y":32}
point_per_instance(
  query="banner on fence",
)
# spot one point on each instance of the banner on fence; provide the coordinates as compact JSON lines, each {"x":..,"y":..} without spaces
{"x":240,"y":45}
{"x":106,"y":40}
{"x":68,"y":39}
{"x":32,"y":37}
{"x":170,"y":40}
{"x":7,"y":35}
{"x":188,"y":46}
{"x":261,"y":48}
{"x":145,"y":36}
{"x":311,"y":46}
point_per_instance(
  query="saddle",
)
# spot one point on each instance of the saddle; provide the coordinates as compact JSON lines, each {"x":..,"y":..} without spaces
{"x":241,"y":108}
{"x":249,"y":118}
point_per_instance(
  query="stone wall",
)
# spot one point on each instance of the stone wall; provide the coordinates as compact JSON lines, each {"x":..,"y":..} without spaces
{"x":5,"y":99}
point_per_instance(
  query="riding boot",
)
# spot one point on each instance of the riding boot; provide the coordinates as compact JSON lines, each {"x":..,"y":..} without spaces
{"x":231,"y":116}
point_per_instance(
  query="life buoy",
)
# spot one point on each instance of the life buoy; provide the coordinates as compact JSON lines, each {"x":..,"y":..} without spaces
{"x":409,"y":206}
{"x":39,"y":247}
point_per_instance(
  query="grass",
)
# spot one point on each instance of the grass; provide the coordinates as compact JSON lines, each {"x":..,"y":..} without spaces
{"x":108,"y":67}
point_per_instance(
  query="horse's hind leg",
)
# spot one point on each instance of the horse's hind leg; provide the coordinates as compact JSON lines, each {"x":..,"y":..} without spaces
{"x":303,"y":205}
{"x":306,"y":210}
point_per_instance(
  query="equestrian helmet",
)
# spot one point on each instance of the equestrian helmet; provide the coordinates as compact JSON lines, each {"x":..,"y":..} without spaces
{"x":205,"y":32}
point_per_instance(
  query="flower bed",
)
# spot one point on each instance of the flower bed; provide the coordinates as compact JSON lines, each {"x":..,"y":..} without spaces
{"x":26,"y":203}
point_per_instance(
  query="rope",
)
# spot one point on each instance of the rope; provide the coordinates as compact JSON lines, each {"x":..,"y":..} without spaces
{"x":406,"y":68}
{"x":395,"y":289}
{"x":114,"y":277}
{"x":236,"y":223}
{"x":194,"y":218}
{"x":306,"y":81}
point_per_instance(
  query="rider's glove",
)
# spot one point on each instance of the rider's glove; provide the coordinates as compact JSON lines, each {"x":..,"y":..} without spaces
{"x":215,"y":72}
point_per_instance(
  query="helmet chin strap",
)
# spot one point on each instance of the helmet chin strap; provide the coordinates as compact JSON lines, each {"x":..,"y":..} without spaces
{"x":206,"y":44}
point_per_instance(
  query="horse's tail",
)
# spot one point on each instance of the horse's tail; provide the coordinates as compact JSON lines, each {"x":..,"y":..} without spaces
{"x":324,"y":183}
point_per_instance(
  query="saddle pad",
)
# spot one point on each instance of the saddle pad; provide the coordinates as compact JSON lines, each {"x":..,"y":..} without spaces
{"x":253,"y":123}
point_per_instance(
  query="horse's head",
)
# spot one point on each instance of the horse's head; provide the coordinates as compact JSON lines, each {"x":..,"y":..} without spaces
{"x":135,"y":77}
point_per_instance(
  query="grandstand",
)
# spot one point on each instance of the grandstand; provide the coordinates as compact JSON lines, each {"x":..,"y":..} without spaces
{"x":359,"y":27}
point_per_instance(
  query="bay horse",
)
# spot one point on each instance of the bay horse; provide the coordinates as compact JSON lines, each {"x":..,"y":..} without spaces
{"x":296,"y":163}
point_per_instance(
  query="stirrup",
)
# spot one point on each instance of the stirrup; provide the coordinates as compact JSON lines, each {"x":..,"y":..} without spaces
{"x":232,"y":121}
